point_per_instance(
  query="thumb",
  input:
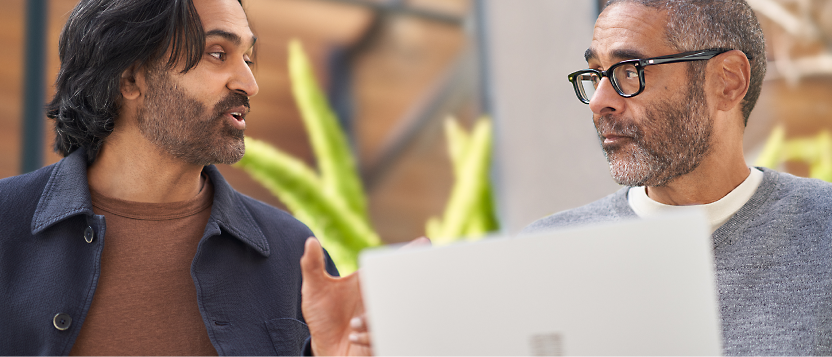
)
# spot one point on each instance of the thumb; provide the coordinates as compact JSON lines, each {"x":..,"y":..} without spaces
{"x":312,"y":261}
{"x":416,"y":243}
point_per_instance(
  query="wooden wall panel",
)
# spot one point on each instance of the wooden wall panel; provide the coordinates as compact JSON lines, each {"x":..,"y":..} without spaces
{"x":389,"y":79}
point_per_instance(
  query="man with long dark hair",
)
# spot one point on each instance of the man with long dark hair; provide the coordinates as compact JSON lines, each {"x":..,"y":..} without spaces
{"x":134,"y":243}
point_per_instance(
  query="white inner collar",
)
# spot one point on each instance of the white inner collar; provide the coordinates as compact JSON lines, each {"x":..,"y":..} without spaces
{"x":717,"y":212}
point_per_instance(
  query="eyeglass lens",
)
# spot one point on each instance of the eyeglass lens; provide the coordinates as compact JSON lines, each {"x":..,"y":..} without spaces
{"x":588,"y":81}
{"x":625,"y":78}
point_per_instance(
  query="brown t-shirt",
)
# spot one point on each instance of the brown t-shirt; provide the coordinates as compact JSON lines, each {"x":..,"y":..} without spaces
{"x":145,"y":302}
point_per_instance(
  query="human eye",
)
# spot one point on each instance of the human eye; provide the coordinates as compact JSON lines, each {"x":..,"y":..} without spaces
{"x":626,"y":71}
{"x":218,"y":55}
{"x":216,"y":51}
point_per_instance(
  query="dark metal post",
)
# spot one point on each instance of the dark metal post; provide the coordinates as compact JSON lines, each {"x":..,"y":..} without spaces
{"x":482,"y":45}
{"x":33,"y":86}
{"x":487,"y":106}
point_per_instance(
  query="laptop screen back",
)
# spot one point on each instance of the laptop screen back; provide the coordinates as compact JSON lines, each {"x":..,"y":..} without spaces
{"x":643,"y":287}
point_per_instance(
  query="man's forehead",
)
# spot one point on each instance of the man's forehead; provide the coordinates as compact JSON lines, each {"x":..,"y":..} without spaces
{"x":247,"y":40}
{"x":225,"y":19}
{"x":626,"y":31}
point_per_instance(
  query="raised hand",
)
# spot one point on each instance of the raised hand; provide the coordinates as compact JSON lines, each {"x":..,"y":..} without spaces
{"x":329,"y":305}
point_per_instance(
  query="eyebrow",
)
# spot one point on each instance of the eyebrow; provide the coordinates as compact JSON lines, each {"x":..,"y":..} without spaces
{"x":230,"y":36}
{"x":626,"y":54}
{"x":621,"y":54}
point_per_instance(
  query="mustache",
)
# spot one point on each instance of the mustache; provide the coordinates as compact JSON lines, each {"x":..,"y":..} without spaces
{"x":609,"y":124}
{"x":232,"y":100}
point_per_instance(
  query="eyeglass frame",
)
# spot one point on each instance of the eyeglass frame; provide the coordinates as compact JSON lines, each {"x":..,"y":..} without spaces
{"x":689,"y":56}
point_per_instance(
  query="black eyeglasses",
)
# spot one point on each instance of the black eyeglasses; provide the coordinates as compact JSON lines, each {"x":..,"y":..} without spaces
{"x":627,"y":77}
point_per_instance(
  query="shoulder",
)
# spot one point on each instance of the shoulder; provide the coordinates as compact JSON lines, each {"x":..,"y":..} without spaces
{"x":808,"y":193}
{"x":783,"y":206}
{"x":23,"y":190}
{"x":613,"y":207}
{"x":27,"y":181}
{"x":264,"y":227}
{"x":271,"y":218}
{"x":282,"y":230}
{"x":279,"y":228}
{"x":251,"y":216}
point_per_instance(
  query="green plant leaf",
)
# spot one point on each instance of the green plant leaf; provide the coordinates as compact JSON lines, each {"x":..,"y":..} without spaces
{"x":339,"y":229}
{"x":772,"y":154}
{"x":335,"y":161}
{"x":465,"y":213}
{"x":822,"y":167}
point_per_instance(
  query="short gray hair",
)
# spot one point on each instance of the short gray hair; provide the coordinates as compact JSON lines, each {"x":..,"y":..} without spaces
{"x":704,"y":24}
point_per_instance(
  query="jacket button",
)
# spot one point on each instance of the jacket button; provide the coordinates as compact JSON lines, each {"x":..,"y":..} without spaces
{"x":89,"y":234}
{"x":62,"y":321}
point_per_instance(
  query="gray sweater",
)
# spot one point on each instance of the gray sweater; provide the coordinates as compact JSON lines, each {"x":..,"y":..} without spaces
{"x":773,"y":264}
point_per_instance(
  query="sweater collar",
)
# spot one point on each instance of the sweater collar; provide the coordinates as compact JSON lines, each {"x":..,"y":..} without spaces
{"x":771,"y":179}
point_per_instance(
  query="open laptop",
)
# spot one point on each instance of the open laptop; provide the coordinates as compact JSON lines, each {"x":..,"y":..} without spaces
{"x":642,"y":287}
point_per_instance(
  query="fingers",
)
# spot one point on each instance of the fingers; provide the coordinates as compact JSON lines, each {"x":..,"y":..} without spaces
{"x":358,"y":324}
{"x":360,"y":338}
{"x":418,"y":242}
{"x":359,"y":333}
{"x":312,"y":261}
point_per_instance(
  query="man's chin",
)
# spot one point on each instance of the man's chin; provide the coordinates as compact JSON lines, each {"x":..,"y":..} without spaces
{"x":229,"y":152}
{"x":232,"y":154}
{"x":233,"y":160}
{"x":626,"y":179}
{"x":639,"y":177}
{"x":630,"y":172}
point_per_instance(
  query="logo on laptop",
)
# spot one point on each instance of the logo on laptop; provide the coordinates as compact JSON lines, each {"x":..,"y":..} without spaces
{"x":546,"y":344}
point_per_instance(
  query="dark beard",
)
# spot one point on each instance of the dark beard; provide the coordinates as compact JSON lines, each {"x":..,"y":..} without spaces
{"x":670,"y":141}
{"x":184,"y":128}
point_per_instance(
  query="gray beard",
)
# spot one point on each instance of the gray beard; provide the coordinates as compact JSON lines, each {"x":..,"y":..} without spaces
{"x":669,"y":142}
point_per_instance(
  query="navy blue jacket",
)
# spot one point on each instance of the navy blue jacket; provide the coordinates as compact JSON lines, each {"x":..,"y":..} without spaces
{"x":246,"y":269}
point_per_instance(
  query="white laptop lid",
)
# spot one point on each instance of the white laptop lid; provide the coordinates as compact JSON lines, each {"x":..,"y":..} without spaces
{"x":642,"y":287}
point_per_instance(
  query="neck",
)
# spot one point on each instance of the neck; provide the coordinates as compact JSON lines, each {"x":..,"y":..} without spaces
{"x":715,"y":177}
{"x":130,"y":168}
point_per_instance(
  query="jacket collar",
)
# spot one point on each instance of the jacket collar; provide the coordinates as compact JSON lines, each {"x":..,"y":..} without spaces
{"x":67,"y":194}
{"x":232,"y":215}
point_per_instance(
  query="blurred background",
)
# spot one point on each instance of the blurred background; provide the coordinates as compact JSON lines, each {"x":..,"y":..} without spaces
{"x":395,"y":69}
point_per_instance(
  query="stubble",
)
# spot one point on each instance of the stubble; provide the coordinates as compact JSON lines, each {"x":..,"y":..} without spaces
{"x":670,"y":141}
{"x":184,"y":127}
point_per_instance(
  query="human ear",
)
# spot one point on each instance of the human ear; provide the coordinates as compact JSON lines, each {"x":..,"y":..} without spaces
{"x":733,"y":77}
{"x":131,"y":84}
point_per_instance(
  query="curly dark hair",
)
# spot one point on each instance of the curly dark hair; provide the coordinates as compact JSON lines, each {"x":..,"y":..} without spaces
{"x":102,"y":39}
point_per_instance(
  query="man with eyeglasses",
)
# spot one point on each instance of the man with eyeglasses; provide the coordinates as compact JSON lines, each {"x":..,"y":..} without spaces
{"x":671,"y":84}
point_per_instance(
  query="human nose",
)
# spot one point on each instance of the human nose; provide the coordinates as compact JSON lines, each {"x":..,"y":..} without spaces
{"x":606,"y":100}
{"x":243,"y":80}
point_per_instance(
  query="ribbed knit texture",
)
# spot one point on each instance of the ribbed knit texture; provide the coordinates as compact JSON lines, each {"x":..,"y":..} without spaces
{"x":773,"y":264}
